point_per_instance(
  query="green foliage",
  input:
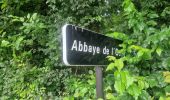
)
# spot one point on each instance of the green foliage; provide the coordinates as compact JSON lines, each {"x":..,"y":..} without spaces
{"x":30,"y":40}
{"x":126,"y":84}
{"x":29,"y":57}
{"x":82,"y":88}
{"x":144,"y":50}
{"x":30,"y":50}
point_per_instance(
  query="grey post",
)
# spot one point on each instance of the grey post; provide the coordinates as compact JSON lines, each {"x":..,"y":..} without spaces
{"x":99,"y":82}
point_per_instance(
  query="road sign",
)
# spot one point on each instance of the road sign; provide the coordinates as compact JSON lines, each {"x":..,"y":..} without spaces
{"x":82,"y":47}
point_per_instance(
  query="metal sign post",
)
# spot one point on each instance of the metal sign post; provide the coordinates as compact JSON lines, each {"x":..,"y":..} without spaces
{"x":99,"y":82}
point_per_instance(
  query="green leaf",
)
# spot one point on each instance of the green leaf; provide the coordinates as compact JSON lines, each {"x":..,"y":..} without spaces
{"x":109,"y":96}
{"x":140,"y":26}
{"x":128,"y":6}
{"x":110,"y":66}
{"x":153,"y":15}
{"x":140,"y":53}
{"x":119,"y":64}
{"x":124,"y":77}
{"x":4,"y":5}
{"x":166,"y":62}
{"x":141,"y":84}
{"x":18,"y":41}
{"x":152,"y":81}
{"x":76,"y":94}
{"x":147,"y":54}
{"x":135,"y":47}
{"x":34,"y":16}
{"x":134,"y":90}
{"x":4,"y":43}
{"x":144,"y":96}
{"x":152,"y":23}
{"x":161,"y":98}
{"x":159,"y":51}
{"x":118,"y":35}
{"x":167,"y":88}
{"x":111,"y":58}
{"x":123,"y":80}
{"x":90,"y":72}
{"x":129,"y":80}
{"x":119,"y":87}
{"x":83,"y":91}
{"x":28,"y":16}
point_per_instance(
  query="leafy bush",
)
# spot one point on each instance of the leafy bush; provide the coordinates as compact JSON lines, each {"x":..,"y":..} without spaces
{"x":30,"y":50}
{"x":140,"y":73}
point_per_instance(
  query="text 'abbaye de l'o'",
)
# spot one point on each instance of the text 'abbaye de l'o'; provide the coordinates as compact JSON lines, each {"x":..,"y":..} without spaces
{"x":84,"y":47}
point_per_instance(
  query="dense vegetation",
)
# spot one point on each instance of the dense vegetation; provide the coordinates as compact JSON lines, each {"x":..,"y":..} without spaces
{"x":30,"y":49}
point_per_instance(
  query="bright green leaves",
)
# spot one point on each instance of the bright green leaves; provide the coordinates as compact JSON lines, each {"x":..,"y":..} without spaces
{"x":134,"y":90}
{"x":118,"y":35}
{"x":156,"y":80}
{"x":4,"y":4}
{"x":22,"y":59}
{"x":142,"y":53}
{"x":129,"y":6}
{"x":122,"y":81}
{"x":135,"y":53}
{"x":125,"y":83}
{"x":81,"y":93}
{"x":129,"y":80}
{"x":119,"y":87}
{"x":109,"y":96}
{"x":118,"y":63}
{"x":159,"y":51}
{"x":111,"y":58}
{"x":33,"y":37}
{"x":110,"y":66}
{"x":166,"y":76}
{"x":160,"y":36}
{"x":142,"y":84}
{"x":4,"y":43}
{"x":145,"y":54}
{"x":18,"y":42}
{"x":83,"y":89}
{"x":33,"y":24}
{"x":167,"y":89}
